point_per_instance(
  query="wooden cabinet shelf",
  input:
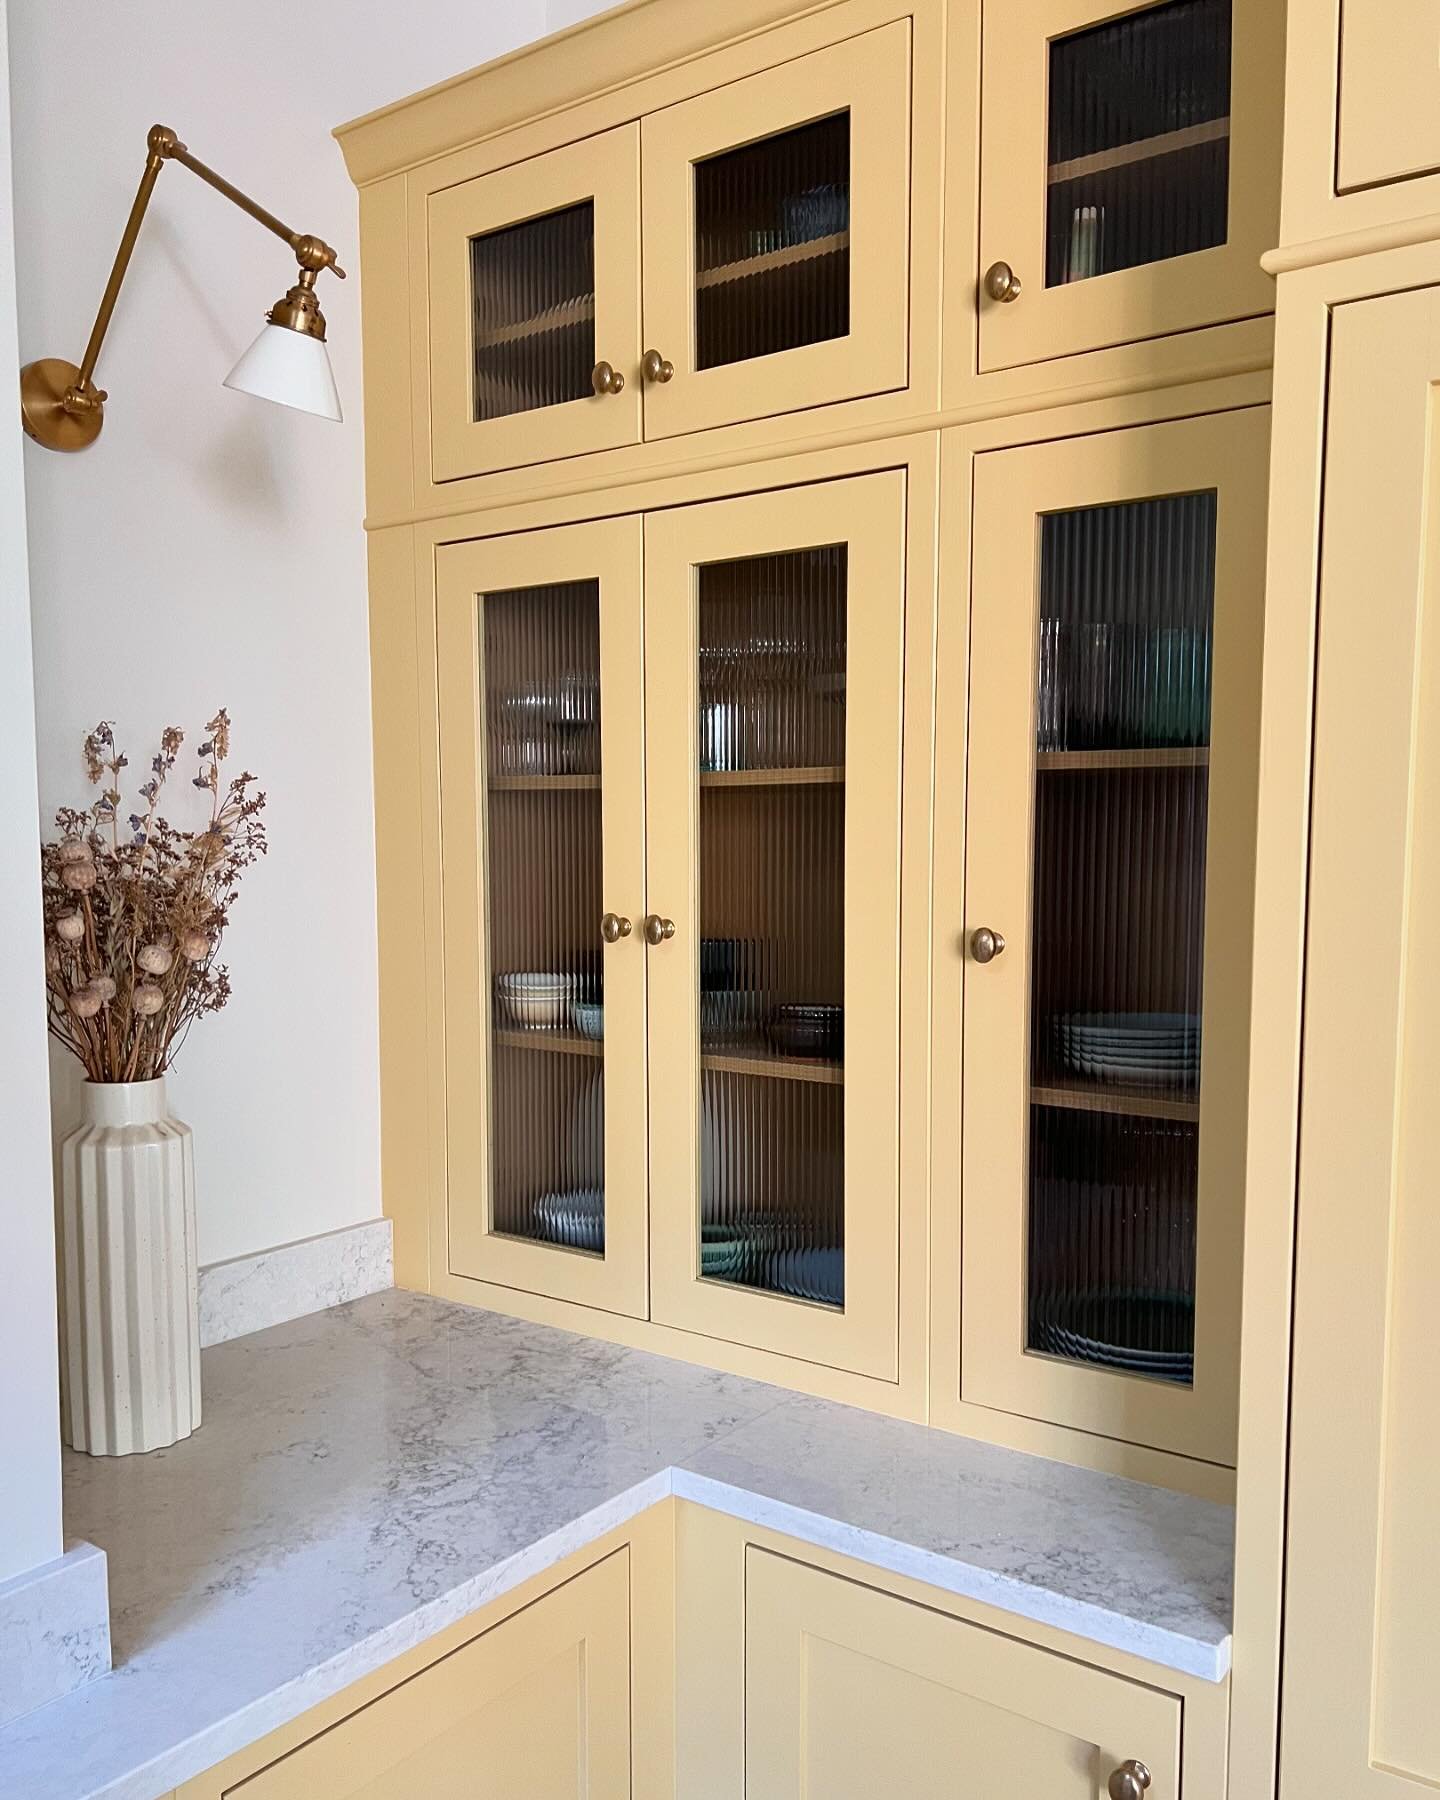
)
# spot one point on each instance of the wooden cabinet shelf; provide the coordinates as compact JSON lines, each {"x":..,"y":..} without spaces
{"x":767,"y":260}
{"x":565,"y":1043}
{"x":1158,"y":758}
{"x":540,"y":784}
{"x":784,"y":1068}
{"x":1081,"y":1095}
{"x":580,"y":311}
{"x":1209,"y":131}
{"x":820,"y":777}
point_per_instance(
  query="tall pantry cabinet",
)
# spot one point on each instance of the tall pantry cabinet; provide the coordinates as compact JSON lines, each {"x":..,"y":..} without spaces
{"x":816,"y":468}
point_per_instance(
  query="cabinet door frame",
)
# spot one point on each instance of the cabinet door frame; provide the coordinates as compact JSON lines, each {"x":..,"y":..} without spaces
{"x":610,"y":551}
{"x":604,"y":169}
{"x":788,"y":1602}
{"x":870,"y":77}
{"x":1206,"y":287}
{"x":1364,"y":1339}
{"x":1012,"y":488}
{"x":867,"y":513}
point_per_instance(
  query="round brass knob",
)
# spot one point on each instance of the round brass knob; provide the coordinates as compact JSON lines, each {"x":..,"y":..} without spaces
{"x":658,"y":930}
{"x":605,"y":379}
{"x":1129,"y":1781}
{"x":613,"y":928}
{"x":1001,"y":282}
{"x":985,"y":944}
{"x":657,"y":367}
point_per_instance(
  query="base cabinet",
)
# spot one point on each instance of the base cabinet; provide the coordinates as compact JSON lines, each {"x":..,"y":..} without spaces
{"x":851,"y":1692}
{"x":537,"y":1708}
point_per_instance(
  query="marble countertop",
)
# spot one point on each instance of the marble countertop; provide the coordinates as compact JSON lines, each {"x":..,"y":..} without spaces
{"x":368,"y":1475}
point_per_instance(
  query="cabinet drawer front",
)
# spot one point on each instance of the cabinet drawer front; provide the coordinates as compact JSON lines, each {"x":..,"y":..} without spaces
{"x":534,"y":280}
{"x":1389,"y":92}
{"x":1129,"y":170}
{"x":850,"y":1692}
{"x":536,"y":1709}
{"x":776,"y":229}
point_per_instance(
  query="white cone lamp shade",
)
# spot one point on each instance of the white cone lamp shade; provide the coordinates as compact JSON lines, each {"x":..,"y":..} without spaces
{"x":291,"y":368}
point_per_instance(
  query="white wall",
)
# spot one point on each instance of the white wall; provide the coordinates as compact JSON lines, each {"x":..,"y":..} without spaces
{"x":208,"y":549}
{"x":29,"y":1404}
{"x":559,"y":13}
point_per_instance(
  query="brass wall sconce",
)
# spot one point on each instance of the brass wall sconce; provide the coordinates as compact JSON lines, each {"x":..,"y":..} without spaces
{"x":59,"y":402}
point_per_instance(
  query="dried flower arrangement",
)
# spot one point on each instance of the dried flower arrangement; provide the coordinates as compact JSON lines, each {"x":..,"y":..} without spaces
{"x":133,"y":920}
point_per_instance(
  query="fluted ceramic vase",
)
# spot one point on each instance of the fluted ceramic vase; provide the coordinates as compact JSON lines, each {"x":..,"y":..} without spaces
{"x":131,"y":1354}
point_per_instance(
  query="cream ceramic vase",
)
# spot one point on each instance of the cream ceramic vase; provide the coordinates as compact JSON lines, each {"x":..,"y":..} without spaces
{"x":131,"y":1352}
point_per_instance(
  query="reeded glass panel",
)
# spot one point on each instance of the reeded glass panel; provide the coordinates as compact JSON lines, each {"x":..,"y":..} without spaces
{"x":1139,"y":140}
{"x":1118,"y":930}
{"x":541,"y":679}
{"x":772,"y":920}
{"x":772,"y":244}
{"x":532,"y":290}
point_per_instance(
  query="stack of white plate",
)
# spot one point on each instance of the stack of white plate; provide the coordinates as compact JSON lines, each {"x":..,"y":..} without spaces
{"x":537,"y":1001}
{"x":1149,"y":1049}
{"x":574,"y":1217}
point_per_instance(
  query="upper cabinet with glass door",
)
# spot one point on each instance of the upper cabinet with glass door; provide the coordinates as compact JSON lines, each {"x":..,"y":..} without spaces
{"x":1118,"y":587}
{"x":776,"y":231}
{"x":1129,"y":173}
{"x":774,"y":217}
{"x":773,"y":666}
{"x":542,"y":773}
{"x":534,"y":283}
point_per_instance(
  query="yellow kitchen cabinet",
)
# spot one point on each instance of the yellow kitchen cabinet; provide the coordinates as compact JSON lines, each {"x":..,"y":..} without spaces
{"x":774,"y":639}
{"x":538,"y":658}
{"x":852,"y":1692}
{"x":753,"y":207}
{"x":1389,"y":124}
{"x":1129,"y":171}
{"x":1362,"y":1587}
{"x":1104,"y":926}
{"x":537,"y":1708}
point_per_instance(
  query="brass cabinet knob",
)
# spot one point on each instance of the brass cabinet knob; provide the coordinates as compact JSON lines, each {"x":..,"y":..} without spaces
{"x":605,"y":379}
{"x":657,"y":367}
{"x":986,"y":945}
{"x":1001,"y":282}
{"x":613,"y":928}
{"x":1129,"y":1781}
{"x":658,"y":930}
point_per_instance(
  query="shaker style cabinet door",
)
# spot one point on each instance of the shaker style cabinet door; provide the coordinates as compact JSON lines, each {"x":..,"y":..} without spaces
{"x":851,"y":1693}
{"x":776,"y":227}
{"x":1389,"y":92}
{"x":1108,"y":212}
{"x":1362,"y":1600}
{"x":1115,"y":655}
{"x":542,"y":795}
{"x":534,"y":298}
{"x":774,"y":646}
{"x":538,"y":1708}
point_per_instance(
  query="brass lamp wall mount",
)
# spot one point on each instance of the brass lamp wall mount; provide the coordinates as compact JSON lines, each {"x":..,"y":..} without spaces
{"x":63,"y":409}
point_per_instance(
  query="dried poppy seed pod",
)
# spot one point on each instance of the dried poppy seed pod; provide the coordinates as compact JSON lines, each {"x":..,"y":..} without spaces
{"x":78,"y":876}
{"x":194,"y":945}
{"x":85,"y":1003}
{"x":70,"y":927}
{"x":52,"y":959}
{"x":75,"y":850}
{"x":155,"y":959}
{"x":146,"y":1000}
{"x":104,"y":986}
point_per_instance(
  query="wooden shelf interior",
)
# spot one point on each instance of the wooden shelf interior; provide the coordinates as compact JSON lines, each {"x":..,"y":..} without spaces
{"x":1144,"y":150}
{"x":532,"y":289}
{"x":767,"y":262}
{"x":1160,"y":758}
{"x":832,"y":775}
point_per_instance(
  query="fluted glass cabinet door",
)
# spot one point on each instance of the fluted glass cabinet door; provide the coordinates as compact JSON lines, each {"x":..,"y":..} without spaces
{"x":777,"y":238}
{"x":774,"y":648}
{"x":1108,"y":145}
{"x":534,"y":292}
{"x":542,"y":784}
{"x":1115,"y":664}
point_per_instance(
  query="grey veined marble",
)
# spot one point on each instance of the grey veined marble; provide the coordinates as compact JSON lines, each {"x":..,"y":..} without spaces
{"x":369,"y":1475}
